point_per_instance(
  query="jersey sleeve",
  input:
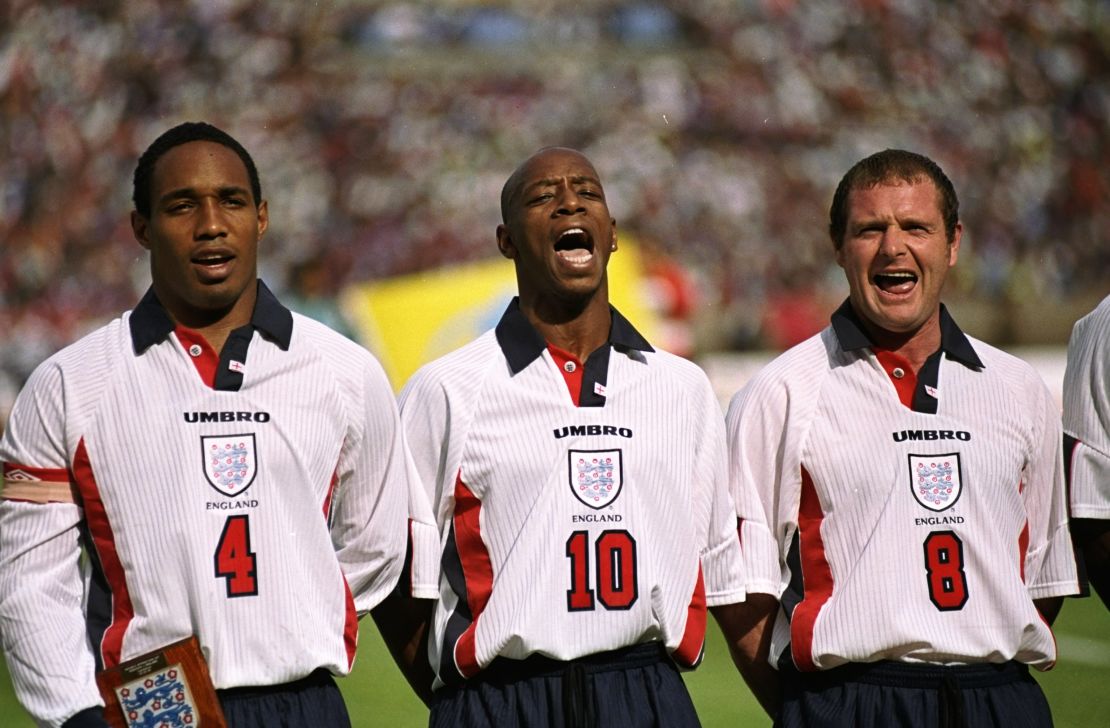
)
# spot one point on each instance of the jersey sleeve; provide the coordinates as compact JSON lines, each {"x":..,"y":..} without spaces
{"x":755,"y":426}
{"x":426,"y":417}
{"x":1049,"y":559}
{"x":41,"y":585}
{"x":720,"y":557}
{"x":1087,"y":415}
{"x":370,"y":509}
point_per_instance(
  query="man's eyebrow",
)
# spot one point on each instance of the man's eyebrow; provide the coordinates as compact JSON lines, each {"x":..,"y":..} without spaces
{"x":186,"y":192}
{"x":576,"y":179}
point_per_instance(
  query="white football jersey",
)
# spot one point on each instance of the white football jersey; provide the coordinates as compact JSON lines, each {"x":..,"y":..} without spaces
{"x":914,"y":517}
{"x":583,"y":506}
{"x":259,"y":501}
{"x":1087,"y":414}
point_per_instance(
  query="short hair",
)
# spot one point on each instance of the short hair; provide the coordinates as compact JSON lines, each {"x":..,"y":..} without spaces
{"x":886,"y":166}
{"x":190,"y":131}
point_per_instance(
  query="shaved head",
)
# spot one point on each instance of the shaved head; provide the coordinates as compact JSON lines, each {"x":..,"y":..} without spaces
{"x":511,"y":189}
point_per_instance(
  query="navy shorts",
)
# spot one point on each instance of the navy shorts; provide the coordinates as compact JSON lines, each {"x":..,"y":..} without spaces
{"x":904,"y":695}
{"x":311,"y":702}
{"x":634,"y":687}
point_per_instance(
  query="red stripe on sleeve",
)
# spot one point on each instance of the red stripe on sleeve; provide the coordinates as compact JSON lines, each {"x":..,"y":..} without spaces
{"x":817,"y":576}
{"x":104,"y":540}
{"x":477,"y":571}
{"x":688,"y":652}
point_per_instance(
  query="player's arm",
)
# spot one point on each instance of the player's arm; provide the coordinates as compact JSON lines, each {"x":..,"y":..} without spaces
{"x":1092,"y":542}
{"x":404,"y":624}
{"x":1086,"y":416}
{"x":41,"y":588}
{"x":1049,"y":567}
{"x":371,"y":525}
{"x":747,"y":629}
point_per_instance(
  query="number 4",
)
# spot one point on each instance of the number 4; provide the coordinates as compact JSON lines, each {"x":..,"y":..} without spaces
{"x":234,"y":559}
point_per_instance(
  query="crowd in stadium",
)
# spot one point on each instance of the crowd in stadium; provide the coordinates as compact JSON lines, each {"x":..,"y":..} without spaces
{"x":383,"y":132}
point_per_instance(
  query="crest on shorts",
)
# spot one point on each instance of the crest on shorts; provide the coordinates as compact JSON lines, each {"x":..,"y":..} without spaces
{"x":158,"y":699}
{"x":229,"y":462}
{"x":935,"y":480}
{"x":596,"y":476}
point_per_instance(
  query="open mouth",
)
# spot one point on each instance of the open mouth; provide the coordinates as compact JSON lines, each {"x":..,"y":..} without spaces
{"x":895,"y":282}
{"x":575,"y":245}
{"x":211,"y":259}
{"x":212,"y":266}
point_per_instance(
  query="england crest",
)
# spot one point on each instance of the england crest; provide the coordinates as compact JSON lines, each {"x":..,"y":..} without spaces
{"x":230,"y":463}
{"x":935,"y":480}
{"x":596,"y":476}
{"x":158,"y":699}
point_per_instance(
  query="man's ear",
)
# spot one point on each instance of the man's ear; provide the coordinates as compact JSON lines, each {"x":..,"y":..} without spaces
{"x":139,"y":227}
{"x":263,"y":218}
{"x":505,"y":243}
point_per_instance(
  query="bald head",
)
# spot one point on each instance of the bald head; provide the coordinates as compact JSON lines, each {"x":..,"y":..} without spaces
{"x":510,"y":193}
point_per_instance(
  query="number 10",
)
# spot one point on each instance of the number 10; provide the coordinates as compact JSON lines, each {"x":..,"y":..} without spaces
{"x":615,"y":553}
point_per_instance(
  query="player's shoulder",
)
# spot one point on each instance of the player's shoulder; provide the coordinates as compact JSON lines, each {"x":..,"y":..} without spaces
{"x":800,"y":362}
{"x":673,"y":365}
{"x":1015,"y":371}
{"x":1095,"y":323}
{"x":460,"y":366}
{"x":308,"y":331}
{"x":801,"y":366}
{"x":93,"y":351}
{"x":347,"y":363}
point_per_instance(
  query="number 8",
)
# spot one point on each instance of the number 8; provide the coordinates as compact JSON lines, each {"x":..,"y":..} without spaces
{"x":944,"y":564}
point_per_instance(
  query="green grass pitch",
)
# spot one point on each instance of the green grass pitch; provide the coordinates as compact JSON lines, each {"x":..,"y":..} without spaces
{"x":378,"y":696}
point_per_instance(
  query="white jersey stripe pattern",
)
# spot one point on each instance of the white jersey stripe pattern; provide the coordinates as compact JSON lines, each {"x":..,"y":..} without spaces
{"x":570,"y":530}
{"x":1087,"y":414}
{"x":932,"y":531}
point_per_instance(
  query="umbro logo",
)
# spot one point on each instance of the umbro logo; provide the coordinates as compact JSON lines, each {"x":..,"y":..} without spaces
{"x":227,"y":416}
{"x":914,"y":435}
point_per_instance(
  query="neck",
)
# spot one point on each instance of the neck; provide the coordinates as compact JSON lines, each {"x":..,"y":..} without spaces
{"x":578,"y":330}
{"x":914,"y":346}
{"x":215,"y":324}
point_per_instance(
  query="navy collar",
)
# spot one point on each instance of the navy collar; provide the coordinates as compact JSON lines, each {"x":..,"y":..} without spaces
{"x":522,"y":344}
{"x":150,"y":322}
{"x":953,"y":342}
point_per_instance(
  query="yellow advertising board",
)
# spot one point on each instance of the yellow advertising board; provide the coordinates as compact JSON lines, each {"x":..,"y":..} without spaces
{"x":410,"y":320}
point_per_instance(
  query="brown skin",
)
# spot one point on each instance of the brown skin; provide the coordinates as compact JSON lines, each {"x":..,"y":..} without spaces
{"x":203,"y":234}
{"x":563,"y":293}
{"x":1092,"y":540}
{"x":403,"y":623}
{"x":897,"y":228}
{"x":747,"y":630}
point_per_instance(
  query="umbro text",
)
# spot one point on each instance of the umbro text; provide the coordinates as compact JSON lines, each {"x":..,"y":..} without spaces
{"x":584,"y":430}
{"x":227,"y":416}
{"x":904,"y":435}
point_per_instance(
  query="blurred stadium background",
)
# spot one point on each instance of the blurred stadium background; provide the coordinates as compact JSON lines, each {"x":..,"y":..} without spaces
{"x":384,"y":130}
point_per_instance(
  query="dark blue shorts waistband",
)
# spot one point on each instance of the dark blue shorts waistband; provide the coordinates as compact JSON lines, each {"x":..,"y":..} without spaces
{"x":316,"y":678}
{"x":506,"y":670}
{"x":915,"y":675}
